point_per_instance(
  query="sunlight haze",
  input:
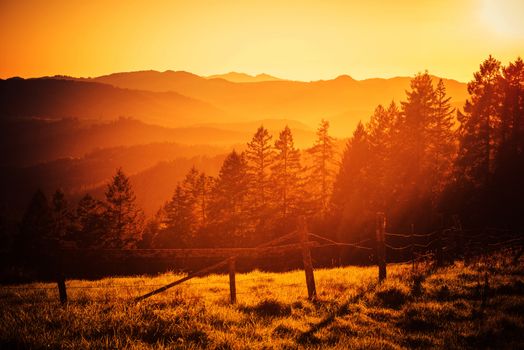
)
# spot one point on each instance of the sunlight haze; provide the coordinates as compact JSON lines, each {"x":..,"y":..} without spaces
{"x":293,"y":39}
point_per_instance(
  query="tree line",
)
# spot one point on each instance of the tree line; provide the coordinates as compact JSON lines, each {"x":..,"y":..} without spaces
{"x":419,"y":160}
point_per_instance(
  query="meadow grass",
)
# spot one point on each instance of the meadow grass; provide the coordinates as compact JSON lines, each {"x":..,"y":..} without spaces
{"x":451,"y":307}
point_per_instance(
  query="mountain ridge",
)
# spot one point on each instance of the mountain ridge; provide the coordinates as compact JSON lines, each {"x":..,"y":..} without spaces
{"x":178,"y":98}
{"x":238,"y":77}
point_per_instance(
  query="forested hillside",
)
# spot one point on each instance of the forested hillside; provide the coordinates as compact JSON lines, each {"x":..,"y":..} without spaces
{"x":419,"y":160}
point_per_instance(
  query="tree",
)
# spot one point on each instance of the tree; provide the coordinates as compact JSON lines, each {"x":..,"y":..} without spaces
{"x":512,"y":111}
{"x":382,"y":131}
{"x":417,"y":112}
{"x":259,"y":157}
{"x":36,"y":225}
{"x":34,"y":245}
{"x":350,"y":200}
{"x":123,"y":218}
{"x":61,"y":216}
{"x":323,"y":169}
{"x":177,"y":219}
{"x":229,"y":218}
{"x":478,"y":139}
{"x":204,"y":185}
{"x":89,"y":222}
{"x":285,"y":176}
{"x":441,"y":143}
{"x":196,"y":190}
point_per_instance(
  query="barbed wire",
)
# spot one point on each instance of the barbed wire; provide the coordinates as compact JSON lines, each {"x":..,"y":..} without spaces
{"x":472,"y":240}
{"x":426,"y":245}
{"x":335,"y":243}
{"x":409,"y":235}
{"x":398,"y":248}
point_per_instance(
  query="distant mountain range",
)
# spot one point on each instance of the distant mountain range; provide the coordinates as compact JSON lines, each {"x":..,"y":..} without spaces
{"x":236,"y":77}
{"x":53,"y":98}
{"x":178,"y":99}
{"x":32,"y":141}
{"x":74,"y":132}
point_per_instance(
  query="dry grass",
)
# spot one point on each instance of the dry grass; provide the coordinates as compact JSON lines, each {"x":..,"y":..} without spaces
{"x":448,"y":308}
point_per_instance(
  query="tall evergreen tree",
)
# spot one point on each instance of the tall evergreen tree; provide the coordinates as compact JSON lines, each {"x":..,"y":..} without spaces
{"x":196,"y":191}
{"x":90,"y":224}
{"x":36,"y":224}
{"x":509,"y":164}
{"x":350,"y":201}
{"x":33,"y":245}
{"x":61,"y":216}
{"x":123,"y":218}
{"x":286,"y":175}
{"x":478,"y":139}
{"x":177,"y":220}
{"x":382,"y":133}
{"x":441,"y":143}
{"x":512,"y":111}
{"x":323,"y":168}
{"x":205,"y":184}
{"x":417,"y":113}
{"x":259,"y":157}
{"x":229,"y":218}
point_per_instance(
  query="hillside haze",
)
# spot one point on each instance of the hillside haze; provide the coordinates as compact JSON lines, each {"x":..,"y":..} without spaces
{"x":55,"y":129}
{"x":343,"y":100}
{"x":179,"y":98}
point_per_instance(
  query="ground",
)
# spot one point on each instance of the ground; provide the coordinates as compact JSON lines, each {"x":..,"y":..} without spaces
{"x":476,"y":306}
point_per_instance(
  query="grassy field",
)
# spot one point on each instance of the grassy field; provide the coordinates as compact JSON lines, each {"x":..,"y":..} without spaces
{"x":452,"y":307}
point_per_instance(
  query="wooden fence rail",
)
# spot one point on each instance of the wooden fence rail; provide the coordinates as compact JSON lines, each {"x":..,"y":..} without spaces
{"x":416,"y":249}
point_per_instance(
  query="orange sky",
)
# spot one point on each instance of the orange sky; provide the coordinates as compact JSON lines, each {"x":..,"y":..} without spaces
{"x":302,"y":40}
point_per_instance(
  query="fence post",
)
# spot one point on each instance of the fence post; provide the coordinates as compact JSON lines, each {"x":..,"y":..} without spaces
{"x":59,"y":273}
{"x":306,"y":257}
{"x":412,"y":248}
{"x":381,"y":248}
{"x":232,"y":283}
{"x":439,"y":255}
{"x":459,"y":236}
{"x":62,"y":292}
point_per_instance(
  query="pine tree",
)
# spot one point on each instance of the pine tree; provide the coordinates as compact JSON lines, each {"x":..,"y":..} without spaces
{"x":382,"y":130}
{"x":204,"y":185}
{"x":259,"y":157}
{"x":177,"y":220}
{"x":512,"y":111}
{"x":322,"y":173}
{"x":228,"y":208}
{"x":285,"y":176}
{"x":89,"y":222}
{"x":196,"y":190}
{"x":417,"y":113}
{"x":350,"y":201}
{"x":478,"y":139}
{"x":123,"y":218}
{"x":61,"y":216}
{"x":441,"y":142}
{"x":36,"y":226}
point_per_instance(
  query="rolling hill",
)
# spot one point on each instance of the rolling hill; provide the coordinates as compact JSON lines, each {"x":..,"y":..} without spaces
{"x":343,"y":100}
{"x":178,"y":99}
{"x":62,"y":98}
{"x":31,"y":141}
{"x":236,"y":77}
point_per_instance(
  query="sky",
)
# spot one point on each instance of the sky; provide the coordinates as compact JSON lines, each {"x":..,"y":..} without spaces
{"x":299,"y":40}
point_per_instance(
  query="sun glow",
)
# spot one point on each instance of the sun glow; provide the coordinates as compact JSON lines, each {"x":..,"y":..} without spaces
{"x":505,"y":17}
{"x":288,"y":39}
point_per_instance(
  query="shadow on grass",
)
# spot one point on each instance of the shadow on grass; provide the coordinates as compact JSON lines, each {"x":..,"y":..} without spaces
{"x":268,"y":308}
{"x":308,"y":337}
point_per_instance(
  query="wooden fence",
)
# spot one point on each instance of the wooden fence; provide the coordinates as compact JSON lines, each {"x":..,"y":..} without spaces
{"x":440,"y":246}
